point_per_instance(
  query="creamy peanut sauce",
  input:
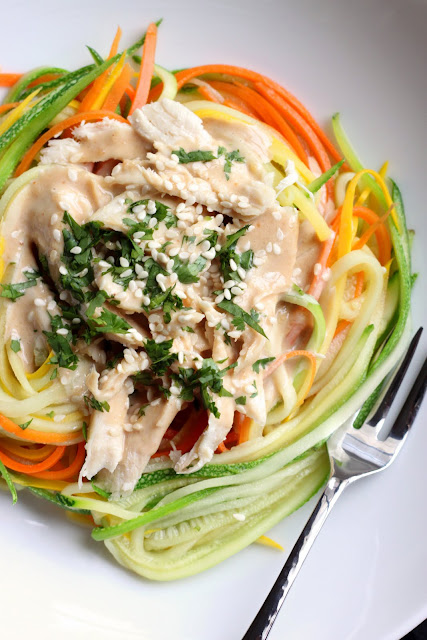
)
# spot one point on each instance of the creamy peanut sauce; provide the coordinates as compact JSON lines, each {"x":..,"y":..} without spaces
{"x":190,"y":210}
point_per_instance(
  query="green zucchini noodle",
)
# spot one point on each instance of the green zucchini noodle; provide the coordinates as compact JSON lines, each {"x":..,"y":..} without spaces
{"x":196,"y":290}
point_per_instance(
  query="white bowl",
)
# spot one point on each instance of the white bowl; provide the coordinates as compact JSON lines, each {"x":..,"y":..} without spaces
{"x":366,"y":577}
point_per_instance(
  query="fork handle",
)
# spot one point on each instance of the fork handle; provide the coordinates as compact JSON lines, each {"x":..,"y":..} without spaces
{"x":264,"y":620}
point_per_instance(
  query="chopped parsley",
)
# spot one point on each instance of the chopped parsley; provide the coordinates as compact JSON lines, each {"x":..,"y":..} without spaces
{"x":241,"y":400}
{"x":262,"y":362}
{"x":26,"y":424}
{"x":84,"y":430}
{"x":60,"y":345}
{"x":15,"y":291}
{"x":185,"y":157}
{"x":230,"y":157}
{"x":93,"y":403}
{"x":204,"y":380}
{"x":15,"y":345}
{"x":242,"y":317}
{"x":228,"y":253}
{"x":141,"y":410}
{"x":186,"y":272}
{"x":160,"y":355}
{"x":188,"y":329}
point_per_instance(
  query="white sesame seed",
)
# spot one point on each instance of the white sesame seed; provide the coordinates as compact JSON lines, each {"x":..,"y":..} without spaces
{"x":62,"y":332}
{"x":59,"y":417}
{"x":151,"y":207}
{"x":51,"y":305}
{"x":227,"y":294}
{"x":159,"y":339}
{"x":141,"y":216}
{"x":63,"y":295}
{"x":124,"y":262}
{"x":152,"y":223}
{"x":63,"y":270}
{"x":269,"y":247}
{"x":181,"y":294}
{"x":210,"y":255}
{"x":180,"y":357}
{"x":326,"y":275}
{"x":39,"y":302}
{"x":146,"y":300}
{"x":132,"y":286}
{"x":219,"y":298}
{"x":57,"y":235}
{"x":75,"y":321}
{"x":241,"y":272}
{"x":225,"y":324}
{"x":277,"y":215}
{"x":276,"y":249}
{"x":72,"y":175}
{"x":229,"y":284}
{"x":140,"y":271}
{"x":184,"y":255}
{"x":128,"y":356}
{"x":236,"y":291}
{"x":174,"y":252}
{"x":75,"y":250}
{"x":53,"y":218}
{"x":138,"y":234}
{"x":83,"y":273}
{"x":168,"y":185}
{"x":317,"y":269}
{"x":259,"y":306}
{"x":239,"y":516}
{"x":250,"y":389}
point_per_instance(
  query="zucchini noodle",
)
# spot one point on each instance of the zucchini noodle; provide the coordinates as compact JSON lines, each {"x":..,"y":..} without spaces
{"x":191,"y":302}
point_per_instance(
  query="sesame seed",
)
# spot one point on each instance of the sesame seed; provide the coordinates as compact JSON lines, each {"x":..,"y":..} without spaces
{"x":124,"y":262}
{"x":241,"y":272}
{"x":276,"y":249}
{"x":152,"y":223}
{"x":63,"y":295}
{"x":181,"y":294}
{"x":317,"y":269}
{"x":59,"y":417}
{"x":236,"y":291}
{"x":72,"y":175}
{"x":138,"y":293}
{"x":174,"y":252}
{"x":168,"y":185}
{"x":141,"y":216}
{"x":62,"y":332}
{"x":128,"y":356}
{"x":146,"y":300}
{"x":229,"y":284}
{"x":140,"y":271}
{"x":269,"y":247}
{"x":225,"y":324}
{"x":132,"y":286}
{"x":138,"y":234}
{"x":154,"y":254}
{"x":239,"y":516}
{"x":326,"y":275}
{"x":63,"y":270}
{"x":259,"y":306}
{"x":57,"y":235}
{"x":227,"y":294}
{"x":75,"y":321}
{"x":51,"y":305}
{"x":151,"y":207}
{"x":75,"y":250}
{"x":277,"y":215}
{"x":159,"y":339}
{"x":83,"y":273}
{"x":219,"y":298}
{"x":210,"y":255}
{"x":184,"y":255}
{"x":54,"y":218}
{"x":39,"y":302}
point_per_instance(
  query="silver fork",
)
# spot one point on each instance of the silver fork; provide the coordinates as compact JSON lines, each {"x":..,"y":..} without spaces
{"x":354,"y":454}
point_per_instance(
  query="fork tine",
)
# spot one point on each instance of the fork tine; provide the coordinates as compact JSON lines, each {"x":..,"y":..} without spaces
{"x":409,"y":410}
{"x":383,"y":409}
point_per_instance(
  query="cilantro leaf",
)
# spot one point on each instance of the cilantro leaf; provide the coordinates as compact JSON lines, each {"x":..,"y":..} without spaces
{"x":26,"y":424}
{"x":93,"y":403}
{"x":241,"y":400}
{"x":240,"y":316}
{"x":230,"y":157}
{"x":63,"y":354}
{"x":262,"y":362}
{"x":160,"y":355}
{"x":84,"y":430}
{"x":186,"y":272}
{"x":185,"y":157}
{"x":15,"y":345}
{"x":15,"y":291}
